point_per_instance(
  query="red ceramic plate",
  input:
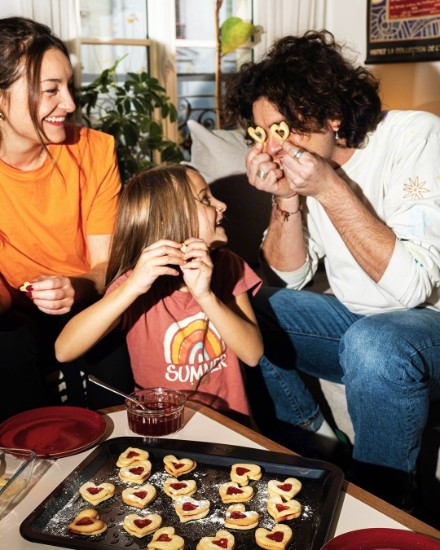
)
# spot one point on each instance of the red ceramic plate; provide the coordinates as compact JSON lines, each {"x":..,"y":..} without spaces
{"x":381,"y":539}
{"x":53,"y":432}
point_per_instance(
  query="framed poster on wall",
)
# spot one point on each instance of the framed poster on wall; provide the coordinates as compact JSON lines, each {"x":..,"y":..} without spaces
{"x":403,"y":31}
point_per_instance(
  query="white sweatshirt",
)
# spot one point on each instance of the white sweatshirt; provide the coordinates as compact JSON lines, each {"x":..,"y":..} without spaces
{"x":398,"y":174}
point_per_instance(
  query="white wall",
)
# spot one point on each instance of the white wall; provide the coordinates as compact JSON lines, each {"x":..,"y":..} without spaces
{"x":403,"y":85}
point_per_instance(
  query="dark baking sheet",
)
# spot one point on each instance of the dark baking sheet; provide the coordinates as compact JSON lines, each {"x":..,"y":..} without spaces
{"x":321,"y":481}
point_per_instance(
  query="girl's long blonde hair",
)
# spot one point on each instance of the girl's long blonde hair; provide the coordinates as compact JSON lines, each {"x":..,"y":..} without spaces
{"x":155,"y":204}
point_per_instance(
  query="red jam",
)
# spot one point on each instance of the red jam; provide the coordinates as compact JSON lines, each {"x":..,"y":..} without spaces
{"x":164,"y":538}
{"x":285,"y":487}
{"x":155,"y":425}
{"x":281,"y":507}
{"x":278,"y":536}
{"x":84,"y":521}
{"x":140,"y":494}
{"x":223,"y":543}
{"x":237,"y":515}
{"x":94,"y":490}
{"x":141,"y":523}
{"x":177,"y":486}
{"x":137,"y":471}
{"x":233,"y":491}
{"x":241,"y":471}
{"x":178,"y":465}
{"x":188,"y":506}
{"x":132,"y":454}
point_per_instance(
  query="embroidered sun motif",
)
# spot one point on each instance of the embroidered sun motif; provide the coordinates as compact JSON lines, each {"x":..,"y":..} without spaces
{"x":415,"y":189}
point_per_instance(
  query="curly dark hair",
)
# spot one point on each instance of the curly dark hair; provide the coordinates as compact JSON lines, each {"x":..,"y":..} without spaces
{"x":310,"y":82}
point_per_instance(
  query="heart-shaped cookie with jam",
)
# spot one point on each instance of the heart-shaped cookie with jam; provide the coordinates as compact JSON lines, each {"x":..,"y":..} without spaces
{"x":242,"y":473}
{"x":137,"y":472}
{"x":166,"y":539}
{"x":140,"y":526}
{"x":232,"y":492}
{"x":96,"y":493}
{"x":222,"y":539}
{"x":139,"y":497}
{"x":178,"y":466}
{"x":286,"y":489}
{"x":189,"y":509}
{"x":176,"y":489}
{"x":257,"y":134}
{"x":87,"y":523}
{"x":283,"y":511}
{"x":130,"y":455}
{"x":277,"y":539}
{"x":237,"y":517}
{"x":280,"y":131}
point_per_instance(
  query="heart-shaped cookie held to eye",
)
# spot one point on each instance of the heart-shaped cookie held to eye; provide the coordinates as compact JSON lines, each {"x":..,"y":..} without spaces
{"x":140,"y":526}
{"x":176,"y":489}
{"x":178,"y":466}
{"x":130,"y":455}
{"x":137,"y":472}
{"x":237,"y":517}
{"x":87,"y":522}
{"x":283,"y":511}
{"x":257,"y":134}
{"x":242,"y":473}
{"x":166,"y":539}
{"x":277,"y":539}
{"x":96,"y":493}
{"x":189,"y":509}
{"x":286,"y":489}
{"x":222,"y":539}
{"x":232,"y":492}
{"x":139,"y":497}
{"x":280,"y":131}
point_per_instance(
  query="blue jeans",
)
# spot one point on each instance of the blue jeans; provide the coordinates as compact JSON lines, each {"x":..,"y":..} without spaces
{"x":389,"y":363}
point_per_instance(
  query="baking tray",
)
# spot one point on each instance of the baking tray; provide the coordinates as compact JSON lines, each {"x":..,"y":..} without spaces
{"x":322,"y":483}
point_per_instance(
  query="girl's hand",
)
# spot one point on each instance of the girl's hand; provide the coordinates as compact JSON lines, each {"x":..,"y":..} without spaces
{"x":156,"y":260}
{"x":265,"y":174}
{"x":52,"y":294}
{"x":197,"y":271}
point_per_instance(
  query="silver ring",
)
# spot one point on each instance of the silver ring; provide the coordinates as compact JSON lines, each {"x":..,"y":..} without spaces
{"x":261,"y":174}
{"x":298,"y":154}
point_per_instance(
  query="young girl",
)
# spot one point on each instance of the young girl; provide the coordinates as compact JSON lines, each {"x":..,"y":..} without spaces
{"x":181,"y":298}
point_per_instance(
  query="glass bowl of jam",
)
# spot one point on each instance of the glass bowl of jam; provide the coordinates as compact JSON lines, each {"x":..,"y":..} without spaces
{"x":155,"y":411}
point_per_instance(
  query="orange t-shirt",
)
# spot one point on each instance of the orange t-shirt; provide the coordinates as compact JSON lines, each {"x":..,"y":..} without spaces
{"x":46,"y":214}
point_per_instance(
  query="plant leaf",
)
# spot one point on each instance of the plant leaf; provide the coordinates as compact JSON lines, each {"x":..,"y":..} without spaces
{"x":234,"y":33}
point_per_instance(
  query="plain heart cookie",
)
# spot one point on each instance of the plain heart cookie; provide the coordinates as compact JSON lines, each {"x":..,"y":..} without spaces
{"x":178,"y":466}
{"x":232,"y":492}
{"x":257,"y":134}
{"x":280,"y":131}
{"x":24,"y":286}
{"x":140,"y":526}
{"x":237,"y":517}
{"x":139,"y":497}
{"x":277,"y":539}
{"x":283,"y":511}
{"x":96,"y":493}
{"x":130,"y":455}
{"x":176,"y":489}
{"x":222,"y":539}
{"x":87,"y":523}
{"x":286,"y":489}
{"x":242,"y":473}
{"x":189,"y":509}
{"x":166,"y":539}
{"x":137,"y":472}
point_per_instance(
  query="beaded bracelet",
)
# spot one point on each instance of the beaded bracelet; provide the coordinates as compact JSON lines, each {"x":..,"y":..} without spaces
{"x":286,"y":215}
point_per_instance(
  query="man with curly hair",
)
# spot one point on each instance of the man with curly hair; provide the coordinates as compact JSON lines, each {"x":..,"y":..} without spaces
{"x":360,"y":189}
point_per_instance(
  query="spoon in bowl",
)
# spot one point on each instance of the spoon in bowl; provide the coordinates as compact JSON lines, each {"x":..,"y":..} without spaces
{"x":106,"y":386}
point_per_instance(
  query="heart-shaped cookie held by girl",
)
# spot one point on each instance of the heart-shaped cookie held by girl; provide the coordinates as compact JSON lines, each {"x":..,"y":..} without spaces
{"x":130,"y":455}
{"x":176,"y":489}
{"x":283,"y":511}
{"x":140,"y":526}
{"x":280,"y":131}
{"x":277,"y":539}
{"x":237,"y":517}
{"x":257,"y":134}
{"x":166,"y":539}
{"x":222,"y":539}
{"x":286,"y":489}
{"x":178,"y":466}
{"x":242,"y":473}
{"x":189,"y":509}
{"x":96,"y":493}
{"x":137,"y":472}
{"x":87,"y":523}
{"x":139,"y":497}
{"x":232,"y":492}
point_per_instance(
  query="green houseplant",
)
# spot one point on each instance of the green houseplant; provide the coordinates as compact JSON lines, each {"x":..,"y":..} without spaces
{"x":132,"y":111}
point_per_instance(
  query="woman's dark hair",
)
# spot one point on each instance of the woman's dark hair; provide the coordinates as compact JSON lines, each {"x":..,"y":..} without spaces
{"x":309,"y":82}
{"x":23,"y":43}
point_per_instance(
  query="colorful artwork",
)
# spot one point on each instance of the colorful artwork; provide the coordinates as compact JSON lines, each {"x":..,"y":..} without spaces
{"x":403,"y":31}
